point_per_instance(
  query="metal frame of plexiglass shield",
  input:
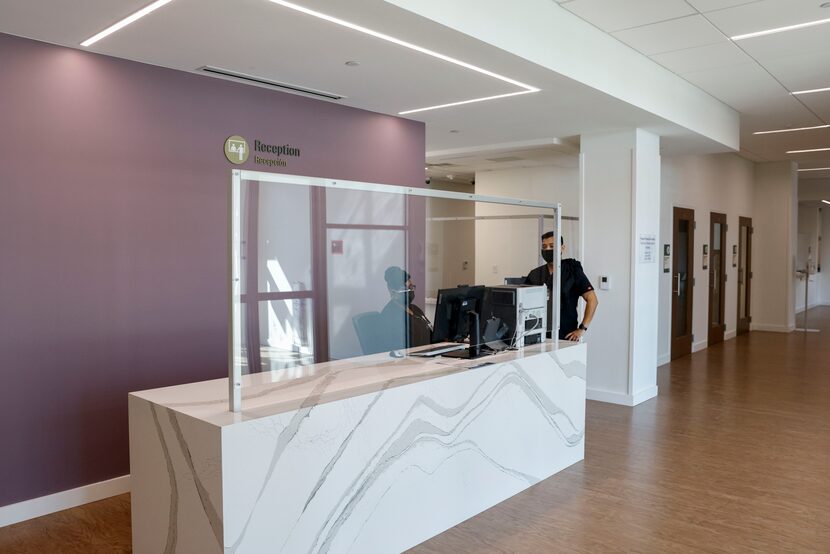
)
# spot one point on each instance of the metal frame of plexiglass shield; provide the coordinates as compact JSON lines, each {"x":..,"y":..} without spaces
{"x":312,"y":260}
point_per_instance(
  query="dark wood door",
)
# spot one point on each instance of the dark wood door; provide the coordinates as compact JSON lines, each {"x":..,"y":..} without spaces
{"x":744,"y":274}
{"x":682,"y":282}
{"x":717,"y":277}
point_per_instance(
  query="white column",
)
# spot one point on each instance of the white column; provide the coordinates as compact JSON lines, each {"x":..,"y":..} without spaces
{"x":620,"y":182}
{"x":774,"y":246}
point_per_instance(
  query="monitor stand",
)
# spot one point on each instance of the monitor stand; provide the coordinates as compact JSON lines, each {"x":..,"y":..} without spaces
{"x":474,"y":351}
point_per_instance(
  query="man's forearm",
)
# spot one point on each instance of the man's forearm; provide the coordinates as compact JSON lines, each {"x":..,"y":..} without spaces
{"x":591,"y":303}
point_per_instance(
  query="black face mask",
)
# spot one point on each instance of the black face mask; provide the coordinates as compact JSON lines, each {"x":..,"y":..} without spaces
{"x":547,"y":255}
{"x":405,"y":296}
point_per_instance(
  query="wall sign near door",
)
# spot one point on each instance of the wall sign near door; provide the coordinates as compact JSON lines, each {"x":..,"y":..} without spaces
{"x":734,"y":255}
{"x":705,"y":256}
{"x":667,"y":258}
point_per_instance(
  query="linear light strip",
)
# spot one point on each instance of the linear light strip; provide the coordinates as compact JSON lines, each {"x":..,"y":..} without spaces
{"x":126,"y":21}
{"x":826,"y":201}
{"x":816,"y":169}
{"x":474,"y":100}
{"x":810,"y":150}
{"x":781,"y":29}
{"x":403,"y":43}
{"x":811,"y":91}
{"x":790,"y":130}
{"x":421,"y":49}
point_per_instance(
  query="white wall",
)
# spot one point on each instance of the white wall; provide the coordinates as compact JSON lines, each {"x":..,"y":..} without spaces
{"x":824,"y":275}
{"x":808,"y":245}
{"x":721,"y":183}
{"x":450,"y":255}
{"x":774,"y":246}
{"x":511,"y":249}
{"x":621,"y":204}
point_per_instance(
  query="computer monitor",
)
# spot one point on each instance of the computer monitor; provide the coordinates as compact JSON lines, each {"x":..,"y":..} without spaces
{"x":451,"y":312}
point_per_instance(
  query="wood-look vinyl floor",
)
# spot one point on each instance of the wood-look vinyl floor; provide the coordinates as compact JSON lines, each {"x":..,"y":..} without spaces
{"x":732,"y":456}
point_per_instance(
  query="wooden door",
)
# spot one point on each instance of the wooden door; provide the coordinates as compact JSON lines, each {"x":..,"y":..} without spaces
{"x":682,"y":282}
{"x":744,"y":274}
{"x":717,"y":277}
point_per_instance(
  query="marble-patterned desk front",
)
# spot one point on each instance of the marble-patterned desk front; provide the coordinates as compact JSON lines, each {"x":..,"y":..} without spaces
{"x":375,"y":454}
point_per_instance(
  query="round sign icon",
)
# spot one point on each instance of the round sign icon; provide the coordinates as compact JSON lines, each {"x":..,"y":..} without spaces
{"x":236,"y":149}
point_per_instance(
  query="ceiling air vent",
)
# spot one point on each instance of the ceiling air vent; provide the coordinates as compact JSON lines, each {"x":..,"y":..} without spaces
{"x":241,"y":77}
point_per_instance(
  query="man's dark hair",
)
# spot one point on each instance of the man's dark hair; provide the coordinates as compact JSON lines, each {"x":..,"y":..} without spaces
{"x":549,"y":235}
{"x":395,"y":278}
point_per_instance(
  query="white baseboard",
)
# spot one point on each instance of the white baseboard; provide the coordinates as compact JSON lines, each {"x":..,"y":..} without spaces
{"x":620,"y":398}
{"x":800,"y":310}
{"x":771,"y":328}
{"x":663,"y":359}
{"x":700,"y":345}
{"x":730,"y":334}
{"x":36,"y":507}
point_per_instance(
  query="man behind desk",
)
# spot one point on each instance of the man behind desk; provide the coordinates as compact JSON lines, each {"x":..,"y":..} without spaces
{"x":404,"y":322}
{"x":574,"y":284}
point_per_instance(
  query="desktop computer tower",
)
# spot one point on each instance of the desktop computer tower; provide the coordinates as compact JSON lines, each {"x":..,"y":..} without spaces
{"x":523,"y":309}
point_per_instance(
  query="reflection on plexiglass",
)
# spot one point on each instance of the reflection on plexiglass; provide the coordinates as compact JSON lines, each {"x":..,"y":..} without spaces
{"x":329,"y":273}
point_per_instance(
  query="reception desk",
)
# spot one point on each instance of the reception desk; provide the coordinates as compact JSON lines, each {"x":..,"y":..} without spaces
{"x":371,"y":454}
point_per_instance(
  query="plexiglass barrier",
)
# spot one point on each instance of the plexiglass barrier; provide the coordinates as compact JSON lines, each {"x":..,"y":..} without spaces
{"x":324,"y":270}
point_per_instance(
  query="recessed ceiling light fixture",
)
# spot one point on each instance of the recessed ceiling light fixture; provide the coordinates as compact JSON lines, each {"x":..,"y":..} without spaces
{"x":826,"y":201}
{"x":126,"y":21}
{"x":816,"y":169}
{"x":811,"y":91}
{"x":781,"y":29}
{"x":526,"y":88}
{"x":790,"y":130}
{"x":810,"y":150}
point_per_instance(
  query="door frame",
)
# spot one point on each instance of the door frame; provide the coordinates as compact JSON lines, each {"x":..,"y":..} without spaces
{"x":715,"y":333}
{"x":742,"y":325}
{"x":682,"y":346}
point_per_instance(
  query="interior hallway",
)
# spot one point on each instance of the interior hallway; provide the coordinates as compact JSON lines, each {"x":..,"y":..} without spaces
{"x":732,"y":456}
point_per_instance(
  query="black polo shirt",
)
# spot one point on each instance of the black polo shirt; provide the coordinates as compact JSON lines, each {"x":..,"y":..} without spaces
{"x":574,"y":284}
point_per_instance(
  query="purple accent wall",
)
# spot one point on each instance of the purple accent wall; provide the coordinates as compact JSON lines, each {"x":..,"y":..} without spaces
{"x":113,"y":249}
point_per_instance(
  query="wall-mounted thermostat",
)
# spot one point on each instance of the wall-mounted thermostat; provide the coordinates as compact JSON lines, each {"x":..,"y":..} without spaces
{"x":604,"y":282}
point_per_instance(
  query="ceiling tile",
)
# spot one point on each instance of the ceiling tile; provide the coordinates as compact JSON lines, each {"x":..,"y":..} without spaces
{"x":745,"y":87}
{"x":615,"y":15}
{"x":689,"y":60}
{"x":711,"y":5}
{"x":768,"y":14}
{"x":676,"y":34}
{"x":800,"y":60}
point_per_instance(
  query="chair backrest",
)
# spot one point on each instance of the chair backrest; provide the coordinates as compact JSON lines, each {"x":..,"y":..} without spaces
{"x":369,"y":329}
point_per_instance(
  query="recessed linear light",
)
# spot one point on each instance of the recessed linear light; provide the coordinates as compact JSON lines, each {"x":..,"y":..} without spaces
{"x":816,"y":169}
{"x":126,"y":21}
{"x":527,"y":88}
{"x":826,"y":201}
{"x":781,"y":29}
{"x":810,"y":150}
{"x":811,"y":91}
{"x":790,"y":130}
{"x":467,"y":102}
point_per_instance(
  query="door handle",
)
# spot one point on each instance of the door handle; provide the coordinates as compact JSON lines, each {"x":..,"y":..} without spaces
{"x":677,"y":276}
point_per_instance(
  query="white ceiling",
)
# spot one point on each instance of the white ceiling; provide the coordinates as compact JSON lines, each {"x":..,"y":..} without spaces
{"x":754,"y":76}
{"x":689,"y":37}
{"x":263,"y":39}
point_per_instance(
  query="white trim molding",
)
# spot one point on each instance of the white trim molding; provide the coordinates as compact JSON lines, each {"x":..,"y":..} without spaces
{"x":44,"y":505}
{"x":620,"y":398}
{"x":700,"y":345}
{"x":663,"y":359}
{"x":730,"y":334}
{"x":771,"y":328}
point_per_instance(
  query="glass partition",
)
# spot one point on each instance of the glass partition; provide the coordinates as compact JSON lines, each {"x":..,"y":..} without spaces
{"x":324,"y":270}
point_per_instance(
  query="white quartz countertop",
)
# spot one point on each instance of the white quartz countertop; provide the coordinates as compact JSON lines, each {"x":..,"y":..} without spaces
{"x":269,"y":393}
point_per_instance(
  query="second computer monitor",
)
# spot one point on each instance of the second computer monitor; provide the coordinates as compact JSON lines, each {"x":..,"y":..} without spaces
{"x":451,"y":312}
